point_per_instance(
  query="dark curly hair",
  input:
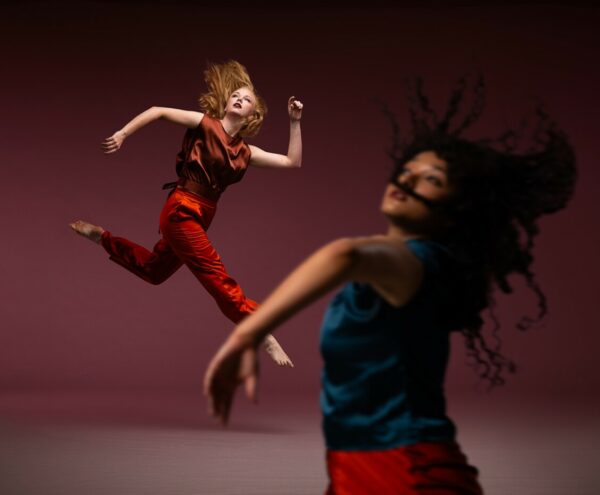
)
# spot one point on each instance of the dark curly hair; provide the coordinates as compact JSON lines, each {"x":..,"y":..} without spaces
{"x":501,"y":194}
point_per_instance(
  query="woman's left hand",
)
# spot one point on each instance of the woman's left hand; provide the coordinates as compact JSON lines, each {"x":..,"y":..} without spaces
{"x":236,"y":362}
{"x":295,"y":108}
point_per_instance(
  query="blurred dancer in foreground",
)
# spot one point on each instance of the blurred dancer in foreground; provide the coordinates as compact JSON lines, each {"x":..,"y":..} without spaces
{"x":462,"y":218}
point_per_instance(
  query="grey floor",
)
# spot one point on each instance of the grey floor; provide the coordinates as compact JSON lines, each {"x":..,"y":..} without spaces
{"x":54,"y":444}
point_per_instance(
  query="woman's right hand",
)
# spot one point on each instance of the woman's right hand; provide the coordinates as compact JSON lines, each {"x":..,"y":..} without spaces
{"x":114,"y":142}
{"x":234,"y":364}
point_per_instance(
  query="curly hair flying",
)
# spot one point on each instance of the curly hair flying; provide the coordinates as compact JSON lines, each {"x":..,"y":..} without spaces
{"x":501,"y":194}
{"x":221,"y":81}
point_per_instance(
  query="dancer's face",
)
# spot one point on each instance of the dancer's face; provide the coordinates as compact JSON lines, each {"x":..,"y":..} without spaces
{"x":242,"y":102}
{"x":427,"y":175}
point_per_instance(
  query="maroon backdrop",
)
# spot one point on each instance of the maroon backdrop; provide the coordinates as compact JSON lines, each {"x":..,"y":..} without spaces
{"x":75,"y":73}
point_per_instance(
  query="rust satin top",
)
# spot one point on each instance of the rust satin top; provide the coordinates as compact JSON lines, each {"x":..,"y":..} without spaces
{"x":212,"y":157}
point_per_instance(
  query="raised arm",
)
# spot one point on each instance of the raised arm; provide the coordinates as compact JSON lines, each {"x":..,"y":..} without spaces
{"x":293,"y":159}
{"x":186,"y":118}
{"x":385,"y":263}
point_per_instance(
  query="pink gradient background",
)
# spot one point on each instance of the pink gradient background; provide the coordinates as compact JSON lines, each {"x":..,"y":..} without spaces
{"x":75,"y":73}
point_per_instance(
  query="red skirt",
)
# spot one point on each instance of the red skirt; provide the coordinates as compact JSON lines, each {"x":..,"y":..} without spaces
{"x":420,"y":469}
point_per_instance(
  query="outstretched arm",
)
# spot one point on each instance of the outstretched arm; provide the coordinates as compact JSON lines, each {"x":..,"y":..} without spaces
{"x":384,"y":263}
{"x":187,"y":118}
{"x":293,"y":159}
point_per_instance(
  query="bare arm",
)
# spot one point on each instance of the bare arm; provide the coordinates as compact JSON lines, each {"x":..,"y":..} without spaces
{"x":186,"y":118}
{"x":386,"y":264}
{"x":293,"y":159}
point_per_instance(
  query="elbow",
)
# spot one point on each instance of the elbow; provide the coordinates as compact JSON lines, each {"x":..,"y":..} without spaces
{"x":294,"y":163}
{"x":156,"y":112}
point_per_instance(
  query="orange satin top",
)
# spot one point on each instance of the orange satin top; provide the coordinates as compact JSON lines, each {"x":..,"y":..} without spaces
{"x":212,"y":157}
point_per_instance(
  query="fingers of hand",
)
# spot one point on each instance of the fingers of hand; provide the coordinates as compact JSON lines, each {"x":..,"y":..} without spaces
{"x":110,"y":145}
{"x":211,"y":389}
{"x":211,"y":405}
{"x":225,"y":408}
{"x":218,"y":401}
{"x":77,"y":226}
{"x":293,"y":103}
{"x":208,"y":380}
{"x":251,"y":385}
{"x":219,"y":387}
{"x":249,"y":365}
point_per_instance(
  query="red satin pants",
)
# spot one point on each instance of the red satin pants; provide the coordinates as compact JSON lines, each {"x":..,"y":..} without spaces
{"x":184,"y":221}
{"x":420,"y":469}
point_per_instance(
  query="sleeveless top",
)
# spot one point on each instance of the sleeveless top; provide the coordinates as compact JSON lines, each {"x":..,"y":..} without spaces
{"x":384,"y":367}
{"x":212,"y":157}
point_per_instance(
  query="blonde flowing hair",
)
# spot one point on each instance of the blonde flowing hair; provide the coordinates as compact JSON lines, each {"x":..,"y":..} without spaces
{"x":222,"y":80}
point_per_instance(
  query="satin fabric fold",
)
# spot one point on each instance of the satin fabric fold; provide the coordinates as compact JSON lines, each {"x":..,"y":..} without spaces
{"x":184,"y":221}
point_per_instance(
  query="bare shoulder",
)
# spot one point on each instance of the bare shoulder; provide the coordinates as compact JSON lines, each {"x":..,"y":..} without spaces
{"x":389,"y":266}
{"x":255,"y":150}
{"x":386,"y":246}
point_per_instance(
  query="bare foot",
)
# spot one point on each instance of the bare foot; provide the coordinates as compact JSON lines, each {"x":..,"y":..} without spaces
{"x":86,"y":229}
{"x":276,"y":352}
